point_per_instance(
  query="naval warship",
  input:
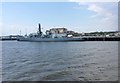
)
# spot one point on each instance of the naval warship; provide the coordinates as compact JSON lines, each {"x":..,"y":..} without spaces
{"x":39,"y":37}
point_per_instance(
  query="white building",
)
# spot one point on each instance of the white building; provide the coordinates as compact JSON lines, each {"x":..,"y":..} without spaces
{"x":57,"y":32}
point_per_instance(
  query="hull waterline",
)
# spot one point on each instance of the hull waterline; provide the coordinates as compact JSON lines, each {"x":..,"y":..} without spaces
{"x":50,"y":39}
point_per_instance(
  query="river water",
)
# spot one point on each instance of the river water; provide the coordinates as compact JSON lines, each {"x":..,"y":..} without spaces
{"x":60,"y":61}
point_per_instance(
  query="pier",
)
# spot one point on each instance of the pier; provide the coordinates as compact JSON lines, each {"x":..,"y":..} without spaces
{"x":91,"y":38}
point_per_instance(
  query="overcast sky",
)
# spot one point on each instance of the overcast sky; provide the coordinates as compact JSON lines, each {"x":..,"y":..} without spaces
{"x":74,"y":15}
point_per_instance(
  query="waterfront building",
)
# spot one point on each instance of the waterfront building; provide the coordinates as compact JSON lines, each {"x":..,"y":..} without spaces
{"x":57,"y":32}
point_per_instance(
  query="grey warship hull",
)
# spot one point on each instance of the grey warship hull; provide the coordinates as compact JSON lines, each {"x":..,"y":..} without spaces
{"x":50,"y":39}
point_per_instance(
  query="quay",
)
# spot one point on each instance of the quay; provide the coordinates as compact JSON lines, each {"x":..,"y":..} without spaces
{"x":9,"y":38}
{"x":94,"y":38}
{"x":85,"y":38}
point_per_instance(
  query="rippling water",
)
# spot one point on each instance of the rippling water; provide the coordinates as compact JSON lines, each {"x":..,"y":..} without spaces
{"x":60,"y":61}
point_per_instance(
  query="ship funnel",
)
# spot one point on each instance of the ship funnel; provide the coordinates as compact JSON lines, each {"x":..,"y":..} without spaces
{"x":40,"y":29}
